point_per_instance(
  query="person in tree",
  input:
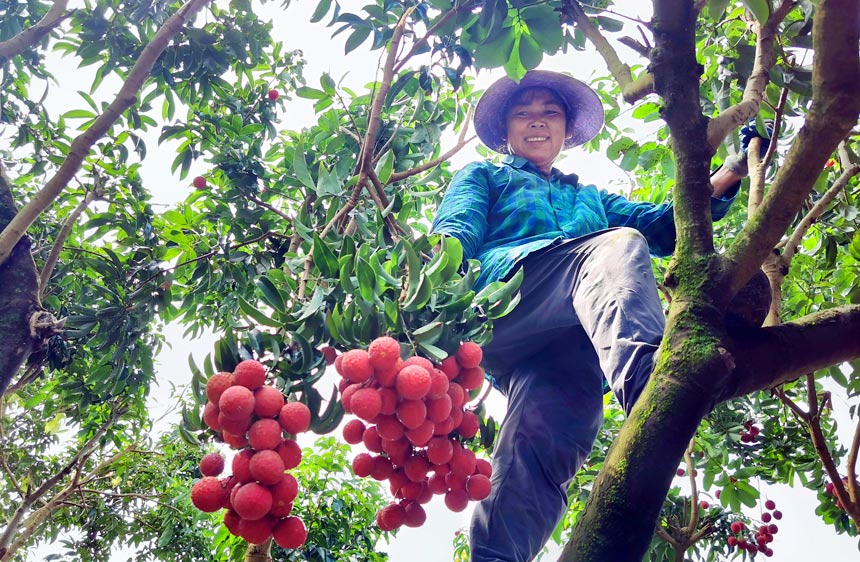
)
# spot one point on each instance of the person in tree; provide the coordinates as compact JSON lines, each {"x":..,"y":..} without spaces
{"x":589,"y":311}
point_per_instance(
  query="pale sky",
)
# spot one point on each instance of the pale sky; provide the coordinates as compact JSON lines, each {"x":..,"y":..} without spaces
{"x":802,"y":535}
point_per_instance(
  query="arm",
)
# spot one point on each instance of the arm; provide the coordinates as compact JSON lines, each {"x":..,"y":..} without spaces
{"x":463,"y":212}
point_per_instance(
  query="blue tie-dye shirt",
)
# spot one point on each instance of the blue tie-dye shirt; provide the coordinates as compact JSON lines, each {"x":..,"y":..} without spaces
{"x":503,"y":212}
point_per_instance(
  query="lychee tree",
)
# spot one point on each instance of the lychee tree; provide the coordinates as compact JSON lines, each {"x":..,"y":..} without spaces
{"x":303,"y":239}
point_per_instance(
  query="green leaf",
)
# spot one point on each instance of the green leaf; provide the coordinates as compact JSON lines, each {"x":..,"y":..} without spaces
{"x":610,"y":24}
{"x":256,"y":314}
{"x":428,"y":333}
{"x":271,"y":295}
{"x":385,"y":166}
{"x":300,"y":167}
{"x":759,"y":8}
{"x":433,"y":352}
{"x":310,"y":93}
{"x":320,"y":11}
{"x":531,"y":52}
{"x":497,"y":52}
{"x":420,"y":296}
{"x":324,"y":258}
{"x":366,"y":279}
{"x":356,"y":38}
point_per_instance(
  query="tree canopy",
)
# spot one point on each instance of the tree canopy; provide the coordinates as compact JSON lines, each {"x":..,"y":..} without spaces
{"x":297,"y":239}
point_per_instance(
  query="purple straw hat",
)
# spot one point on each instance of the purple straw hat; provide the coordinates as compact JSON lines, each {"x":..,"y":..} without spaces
{"x":583,"y":107}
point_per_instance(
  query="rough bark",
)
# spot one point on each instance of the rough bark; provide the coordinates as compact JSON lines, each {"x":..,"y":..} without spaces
{"x":19,"y":295}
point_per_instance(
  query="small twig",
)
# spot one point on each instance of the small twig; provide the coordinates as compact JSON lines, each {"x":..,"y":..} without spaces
{"x":54,"y":256}
{"x":145,"y":497}
{"x":852,"y":465}
{"x":31,"y":36}
{"x":462,"y":141}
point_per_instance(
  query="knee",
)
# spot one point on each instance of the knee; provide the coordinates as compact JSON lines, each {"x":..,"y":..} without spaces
{"x":625,"y":245}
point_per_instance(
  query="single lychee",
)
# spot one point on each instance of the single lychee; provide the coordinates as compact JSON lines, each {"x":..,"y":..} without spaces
{"x":250,"y":374}
{"x":413,"y":382}
{"x":283,"y":494}
{"x":463,"y":461}
{"x":352,"y":431}
{"x":210,"y":416}
{"x":457,"y":394}
{"x":236,"y":402}
{"x":235,"y":441}
{"x":273,"y":95}
{"x":391,"y":517}
{"x":362,"y":465}
{"x":422,"y":434}
{"x":231,"y":521}
{"x":469,"y":355}
{"x":295,"y":417}
{"x":371,"y":439}
{"x":366,"y":403}
{"x":389,"y":401}
{"x":268,"y":402}
{"x":240,"y":465}
{"x":468,"y":428}
{"x":450,"y":367}
{"x":383,"y":353}
{"x":386,"y":377}
{"x":382,"y":468}
{"x":397,"y":450}
{"x":236,"y":426}
{"x":256,"y":531}
{"x":471,"y":378}
{"x":290,"y":533}
{"x":770,"y":504}
{"x":415,"y":516}
{"x":265,"y":434}
{"x":252,"y":501}
{"x":737,"y":526}
{"x":228,"y":483}
{"x":329,"y":353}
{"x":456,"y":480}
{"x":356,"y":366}
{"x":416,"y":468}
{"x":457,"y":500}
{"x":439,"y":450}
{"x":208,"y":494}
{"x":412,"y":413}
{"x":438,"y":384}
{"x":483,"y":466}
{"x":212,"y":464}
{"x":419,"y":361}
{"x":478,"y":487}
{"x":439,"y":409}
{"x":199,"y":182}
{"x":437,"y":484}
{"x":217,"y":384}
{"x":389,"y":428}
{"x":267,"y":467}
{"x":346,"y":396}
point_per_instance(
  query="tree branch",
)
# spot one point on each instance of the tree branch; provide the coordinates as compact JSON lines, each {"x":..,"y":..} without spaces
{"x":632,"y":89}
{"x":758,"y":166}
{"x":767,"y":357}
{"x":81,"y":146}
{"x":31,"y":36}
{"x":461,"y":142}
{"x":54,"y":256}
{"x":731,"y":118}
{"x":834,"y":110}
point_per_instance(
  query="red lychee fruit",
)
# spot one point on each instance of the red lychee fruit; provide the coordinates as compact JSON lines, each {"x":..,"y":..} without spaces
{"x":419,"y":361}
{"x":389,"y":428}
{"x":456,"y":481}
{"x":273,"y":95}
{"x":737,"y":526}
{"x":777,"y":514}
{"x":362,"y":465}
{"x":236,"y":402}
{"x":346,"y":396}
{"x":386,"y":377}
{"x":416,"y":468}
{"x":483,"y":466}
{"x":240,"y":465}
{"x":422,"y":434}
{"x":212,"y":464}
{"x":338,"y":364}
{"x":290,"y":533}
{"x":391,"y":517}
{"x":295,"y":417}
{"x":770,"y":504}
{"x":397,"y":450}
{"x":228,"y":483}
{"x":439,"y":409}
{"x":437,"y":484}
{"x":352,"y":431}
{"x":236,"y":426}
{"x":412,"y":413}
{"x":329,"y":353}
{"x":457,"y":394}
{"x":267,"y":467}
{"x":456,"y":500}
{"x":252,"y":501}
{"x":371,"y":439}
{"x":356,"y":366}
{"x":469,"y":355}
{"x":208,"y":494}
{"x":265,"y":434}
{"x":217,"y":384}
{"x":268,"y":402}
{"x":438,"y":384}
{"x":366,"y":403}
{"x":210,"y":416}
{"x":231,"y":521}
{"x":468,"y":428}
{"x":450,"y":367}
{"x":283,"y":494}
{"x":235,"y":441}
{"x":290,"y":453}
{"x":199,"y":182}
{"x":471,"y":378}
{"x":250,"y":374}
{"x":414,"y":515}
{"x":704,"y":505}
{"x":413,"y":382}
{"x":257,"y":531}
{"x":463,"y":461}
{"x":383,"y":352}
{"x":439,"y":450}
{"x":766,"y":517}
{"x":478,"y":487}
{"x":679,"y":472}
{"x":382,"y":468}
{"x":389,"y":401}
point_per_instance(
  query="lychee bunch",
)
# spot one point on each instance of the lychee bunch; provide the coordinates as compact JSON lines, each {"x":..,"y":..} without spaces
{"x":754,"y":541}
{"x":257,"y":420}
{"x":750,"y":433}
{"x":411,"y":417}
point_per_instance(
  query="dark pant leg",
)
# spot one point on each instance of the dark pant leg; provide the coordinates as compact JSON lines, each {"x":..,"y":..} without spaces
{"x":555,"y":409}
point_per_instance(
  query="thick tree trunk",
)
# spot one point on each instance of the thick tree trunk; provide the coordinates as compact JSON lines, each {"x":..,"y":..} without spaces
{"x":19,"y":295}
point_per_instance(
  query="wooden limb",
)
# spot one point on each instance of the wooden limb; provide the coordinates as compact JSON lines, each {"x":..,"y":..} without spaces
{"x":834,"y":111}
{"x":694,"y":492}
{"x":82,"y":144}
{"x":663,"y":534}
{"x":634,"y":44}
{"x":461,"y":142}
{"x":731,"y":118}
{"x":852,"y":465}
{"x":31,"y":36}
{"x":54,"y":256}
{"x":259,"y":552}
{"x":792,"y":405}
{"x":632,"y":89}
{"x":758,"y":166}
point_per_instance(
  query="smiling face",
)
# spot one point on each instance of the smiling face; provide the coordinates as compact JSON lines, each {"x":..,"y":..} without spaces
{"x":537,"y":126}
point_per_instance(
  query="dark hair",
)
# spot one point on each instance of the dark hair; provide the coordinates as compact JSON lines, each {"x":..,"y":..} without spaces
{"x":526,"y":95}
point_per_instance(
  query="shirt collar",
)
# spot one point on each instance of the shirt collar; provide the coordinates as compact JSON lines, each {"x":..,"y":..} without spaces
{"x":524,"y":164}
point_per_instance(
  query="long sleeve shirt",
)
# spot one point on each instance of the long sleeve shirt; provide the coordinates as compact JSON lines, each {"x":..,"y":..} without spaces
{"x":503,"y":212}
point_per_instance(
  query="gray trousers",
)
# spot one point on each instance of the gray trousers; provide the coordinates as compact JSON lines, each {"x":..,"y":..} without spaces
{"x":589,"y":310}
